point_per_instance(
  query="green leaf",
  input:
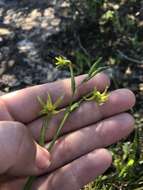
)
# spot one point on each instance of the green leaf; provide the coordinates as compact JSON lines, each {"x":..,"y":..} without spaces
{"x":94,"y":66}
{"x":49,"y":100}
{"x":95,"y":73}
{"x":98,"y":71}
{"x":59,"y":101}
{"x":73,"y":84}
{"x":42,"y":103}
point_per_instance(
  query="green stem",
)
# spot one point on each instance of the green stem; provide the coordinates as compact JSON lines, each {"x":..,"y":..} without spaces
{"x":67,"y":112}
{"x":73,"y":84}
{"x":44,"y":128}
{"x":29,"y":182}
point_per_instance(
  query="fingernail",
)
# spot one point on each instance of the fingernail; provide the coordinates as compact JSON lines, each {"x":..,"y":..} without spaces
{"x":43,"y":159}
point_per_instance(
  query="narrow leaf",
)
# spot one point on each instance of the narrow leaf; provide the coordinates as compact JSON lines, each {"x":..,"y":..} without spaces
{"x":73,"y":84}
{"x":98,"y":71}
{"x":42,"y":103}
{"x":94,"y":73}
{"x":58,"y":101}
{"x":94,"y":66}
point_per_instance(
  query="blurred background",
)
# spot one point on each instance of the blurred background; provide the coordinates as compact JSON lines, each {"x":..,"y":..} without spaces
{"x":83,"y":31}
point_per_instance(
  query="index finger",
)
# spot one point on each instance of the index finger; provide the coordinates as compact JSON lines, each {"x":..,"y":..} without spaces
{"x":24,"y":107}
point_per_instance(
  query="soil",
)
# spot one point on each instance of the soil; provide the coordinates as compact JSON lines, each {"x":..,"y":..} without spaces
{"x":25,"y":32}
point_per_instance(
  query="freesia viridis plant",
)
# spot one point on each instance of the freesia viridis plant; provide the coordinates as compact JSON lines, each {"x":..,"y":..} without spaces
{"x":49,"y":108}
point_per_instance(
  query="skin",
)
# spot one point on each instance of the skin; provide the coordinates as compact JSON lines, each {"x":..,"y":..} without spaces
{"x":79,"y":155}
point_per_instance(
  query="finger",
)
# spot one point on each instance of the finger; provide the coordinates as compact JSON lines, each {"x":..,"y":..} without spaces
{"x":99,"y":135}
{"x":20,"y":155}
{"x":4,"y":113}
{"x":13,"y":184}
{"x":23,"y":104}
{"x":76,"y":174}
{"x":88,"y":113}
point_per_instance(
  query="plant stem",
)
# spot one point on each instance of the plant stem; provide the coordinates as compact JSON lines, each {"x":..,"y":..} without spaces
{"x":44,"y":128}
{"x":29,"y":182}
{"x":67,"y":112}
{"x":73,"y":84}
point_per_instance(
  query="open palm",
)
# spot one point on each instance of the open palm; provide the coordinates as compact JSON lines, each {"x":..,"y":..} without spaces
{"x":78,"y":155}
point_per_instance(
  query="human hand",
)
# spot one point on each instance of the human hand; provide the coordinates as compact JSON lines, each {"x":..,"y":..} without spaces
{"x":79,"y":155}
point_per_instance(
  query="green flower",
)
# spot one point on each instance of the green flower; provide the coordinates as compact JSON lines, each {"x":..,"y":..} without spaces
{"x":49,"y":107}
{"x":62,"y":61}
{"x":98,"y":97}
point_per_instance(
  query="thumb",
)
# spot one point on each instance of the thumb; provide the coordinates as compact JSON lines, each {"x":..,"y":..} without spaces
{"x":20,"y":155}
